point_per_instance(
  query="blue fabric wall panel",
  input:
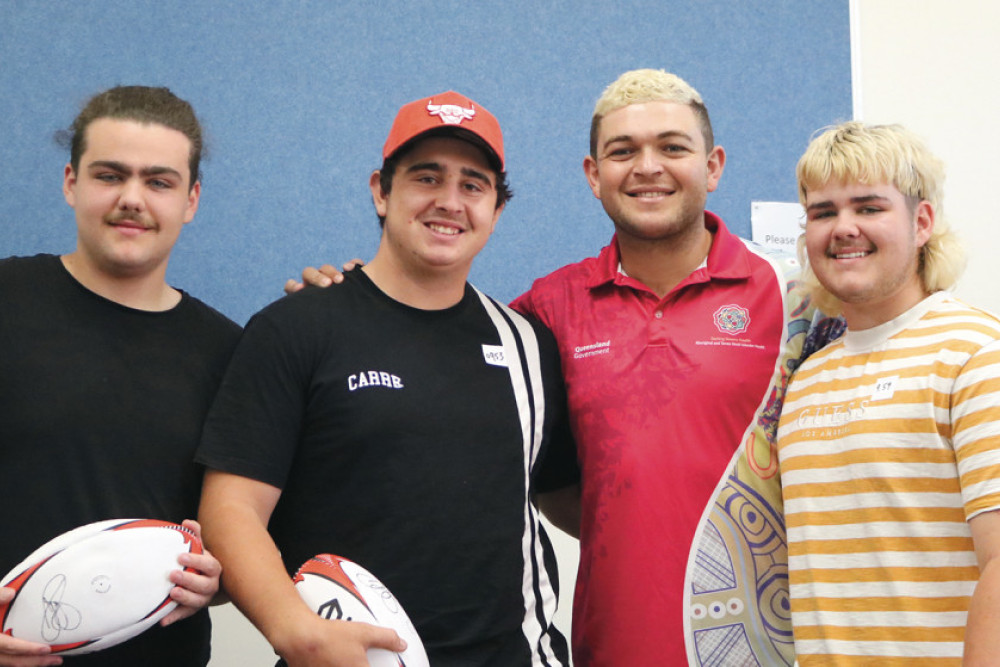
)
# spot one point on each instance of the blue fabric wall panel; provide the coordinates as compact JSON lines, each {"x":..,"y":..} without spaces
{"x":297,"y":97}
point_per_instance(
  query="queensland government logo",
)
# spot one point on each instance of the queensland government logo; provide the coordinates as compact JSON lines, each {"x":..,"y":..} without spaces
{"x":732,"y":319}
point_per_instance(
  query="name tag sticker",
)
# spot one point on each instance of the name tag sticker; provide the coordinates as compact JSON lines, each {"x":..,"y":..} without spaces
{"x":494,"y":356}
{"x":885,"y":388}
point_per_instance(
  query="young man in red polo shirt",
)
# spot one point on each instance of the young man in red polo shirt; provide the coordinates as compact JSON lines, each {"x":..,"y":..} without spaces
{"x":676,"y":343}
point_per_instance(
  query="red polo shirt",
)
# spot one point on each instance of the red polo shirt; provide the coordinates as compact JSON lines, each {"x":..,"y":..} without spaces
{"x":662,"y":393}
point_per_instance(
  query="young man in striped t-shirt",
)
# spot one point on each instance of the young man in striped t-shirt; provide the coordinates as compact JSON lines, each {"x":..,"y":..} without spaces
{"x":889,"y":441}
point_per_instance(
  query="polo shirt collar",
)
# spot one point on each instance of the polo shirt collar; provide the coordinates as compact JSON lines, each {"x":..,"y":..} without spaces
{"x":727,"y":259}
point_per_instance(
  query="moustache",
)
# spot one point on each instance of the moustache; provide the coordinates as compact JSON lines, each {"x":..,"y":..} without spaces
{"x":133,"y":219}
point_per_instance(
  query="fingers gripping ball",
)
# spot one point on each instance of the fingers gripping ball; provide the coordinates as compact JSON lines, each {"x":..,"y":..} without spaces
{"x":339,"y":589}
{"x":97,"y":585}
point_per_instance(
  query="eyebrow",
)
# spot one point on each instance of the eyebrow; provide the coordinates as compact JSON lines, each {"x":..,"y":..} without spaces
{"x":865,"y":199}
{"x":669,"y":134}
{"x":121,"y":167}
{"x":465,"y":171}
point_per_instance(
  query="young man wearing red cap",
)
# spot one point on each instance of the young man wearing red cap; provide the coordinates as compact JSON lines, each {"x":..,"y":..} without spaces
{"x":397,"y":422}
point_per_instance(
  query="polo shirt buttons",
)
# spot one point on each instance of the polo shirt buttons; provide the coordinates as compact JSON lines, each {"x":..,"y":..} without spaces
{"x":658,"y":329}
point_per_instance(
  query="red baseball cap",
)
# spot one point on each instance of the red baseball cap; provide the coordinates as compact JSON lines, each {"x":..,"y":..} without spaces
{"x":452,"y":112}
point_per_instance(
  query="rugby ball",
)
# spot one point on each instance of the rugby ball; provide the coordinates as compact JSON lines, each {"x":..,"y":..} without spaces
{"x":340,"y":589}
{"x":97,"y":585}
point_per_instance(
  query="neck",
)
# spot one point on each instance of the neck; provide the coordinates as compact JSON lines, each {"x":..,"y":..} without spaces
{"x":863,"y":316}
{"x":662,"y":264}
{"x":427,"y":290}
{"x":148,"y":292}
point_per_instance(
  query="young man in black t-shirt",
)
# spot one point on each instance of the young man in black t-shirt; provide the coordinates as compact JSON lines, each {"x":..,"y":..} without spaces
{"x":398,"y":421}
{"x":106,"y":371}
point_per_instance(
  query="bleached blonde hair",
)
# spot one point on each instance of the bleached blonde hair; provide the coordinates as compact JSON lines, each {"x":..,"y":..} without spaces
{"x":856,"y":152}
{"x":649,"y":85}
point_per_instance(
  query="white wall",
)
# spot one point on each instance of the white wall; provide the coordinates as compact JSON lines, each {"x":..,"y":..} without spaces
{"x":931,"y":65}
{"x":237,"y":643}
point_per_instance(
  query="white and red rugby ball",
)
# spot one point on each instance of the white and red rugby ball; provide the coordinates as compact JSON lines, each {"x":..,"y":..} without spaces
{"x":340,"y":589}
{"x":97,"y":585}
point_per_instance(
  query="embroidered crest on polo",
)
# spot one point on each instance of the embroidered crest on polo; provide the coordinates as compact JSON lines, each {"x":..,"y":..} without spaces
{"x":450,"y":114}
{"x":732,"y":319}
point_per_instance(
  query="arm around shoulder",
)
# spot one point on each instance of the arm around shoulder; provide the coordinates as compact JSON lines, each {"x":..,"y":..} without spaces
{"x":324,"y":276}
{"x":562,"y":508}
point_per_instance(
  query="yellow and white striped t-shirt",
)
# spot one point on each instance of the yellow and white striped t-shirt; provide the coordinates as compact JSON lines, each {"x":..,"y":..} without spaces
{"x":889,"y":441}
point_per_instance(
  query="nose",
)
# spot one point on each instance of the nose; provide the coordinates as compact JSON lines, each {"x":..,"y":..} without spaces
{"x":648,"y":162}
{"x":130,"y":195}
{"x":845,"y":226}
{"x":449,"y":196}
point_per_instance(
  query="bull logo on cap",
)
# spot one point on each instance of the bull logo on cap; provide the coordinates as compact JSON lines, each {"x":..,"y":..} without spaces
{"x":450,"y":114}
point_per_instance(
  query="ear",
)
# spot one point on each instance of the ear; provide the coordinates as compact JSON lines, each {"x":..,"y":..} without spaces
{"x":716,"y":163}
{"x":194,"y":196}
{"x":923,"y":218}
{"x":69,"y":182}
{"x":378,"y":197}
{"x":591,"y":171}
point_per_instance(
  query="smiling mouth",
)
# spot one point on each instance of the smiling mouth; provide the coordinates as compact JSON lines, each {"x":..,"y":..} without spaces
{"x":649,"y":194}
{"x":850,"y":255}
{"x":444,"y":229}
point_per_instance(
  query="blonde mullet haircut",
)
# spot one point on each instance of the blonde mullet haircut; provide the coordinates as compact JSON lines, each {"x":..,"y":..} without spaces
{"x":854,"y":152}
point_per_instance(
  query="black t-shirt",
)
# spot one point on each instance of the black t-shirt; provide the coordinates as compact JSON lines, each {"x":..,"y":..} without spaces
{"x":101,"y":409}
{"x":396,"y":437}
